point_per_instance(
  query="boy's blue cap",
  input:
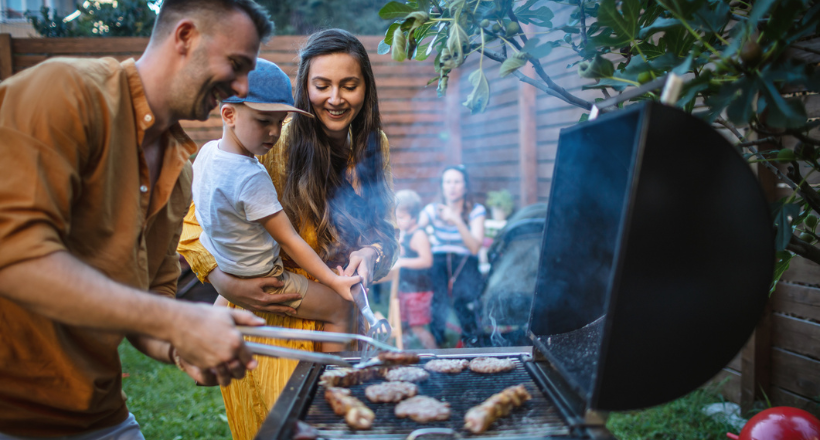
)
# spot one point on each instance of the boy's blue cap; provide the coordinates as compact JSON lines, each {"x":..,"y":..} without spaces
{"x":269,"y":90}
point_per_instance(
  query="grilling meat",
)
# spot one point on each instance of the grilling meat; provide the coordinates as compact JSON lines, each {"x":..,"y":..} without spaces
{"x":398,"y":358}
{"x":357,"y":415}
{"x":391,"y":391}
{"x":452,"y":366}
{"x":407,"y":374}
{"x":304,"y":431}
{"x":347,"y":377}
{"x":479,"y":418}
{"x":486,"y":365}
{"x":423,"y":409}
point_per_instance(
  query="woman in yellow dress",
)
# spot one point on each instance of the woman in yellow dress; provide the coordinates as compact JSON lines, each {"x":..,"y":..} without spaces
{"x":333,"y":177}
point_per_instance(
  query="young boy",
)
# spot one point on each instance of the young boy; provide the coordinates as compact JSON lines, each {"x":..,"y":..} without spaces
{"x":243,"y":223}
{"x":415,"y":288}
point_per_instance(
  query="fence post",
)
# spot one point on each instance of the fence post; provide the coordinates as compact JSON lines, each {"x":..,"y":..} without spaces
{"x":453,"y":115}
{"x":6,"y":60}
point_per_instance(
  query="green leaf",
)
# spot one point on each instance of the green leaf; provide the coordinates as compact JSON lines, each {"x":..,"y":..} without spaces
{"x":394,"y":10}
{"x":739,"y":111}
{"x":421,"y":52}
{"x":599,"y":67}
{"x":624,"y":24}
{"x":398,"y":51}
{"x":604,"y":83}
{"x":478,"y":98}
{"x":384,"y":48}
{"x":720,"y":100}
{"x":441,"y":90}
{"x":782,"y":113}
{"x":539,"y":17}
{"x":682,"y":8}
{"x":678,"y":41}
{"x":456,"y":41}
{"x":513,"y":63}
{"x":662,"y":24}
{"x":693,"y":87}
{"x":712,"y":20}
{"x":650,"y":50}
{"x":388,"y":36}
{"x":784,"y":259}
{"x":536,"y":51}
{"x":760,"y":9}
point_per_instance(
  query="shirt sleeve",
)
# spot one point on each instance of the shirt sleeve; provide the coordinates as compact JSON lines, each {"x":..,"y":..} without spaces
{"x":44,"y":143}
{"x":478,"y":211}
{"x":389,"y":257}
{"x":258,"y":198}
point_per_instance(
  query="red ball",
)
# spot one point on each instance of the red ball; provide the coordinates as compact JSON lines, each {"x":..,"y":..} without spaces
{"x":781,"y":423}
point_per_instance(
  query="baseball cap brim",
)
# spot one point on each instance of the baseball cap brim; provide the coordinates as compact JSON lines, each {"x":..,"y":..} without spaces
{"x":276,"y":107}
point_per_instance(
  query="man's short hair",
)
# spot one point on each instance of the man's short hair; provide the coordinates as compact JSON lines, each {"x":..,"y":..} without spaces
{"x":407,"y":200}
{"x":174,"y":10}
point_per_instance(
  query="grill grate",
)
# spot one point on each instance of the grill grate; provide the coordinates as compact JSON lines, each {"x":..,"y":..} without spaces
{"x":537,"y":418}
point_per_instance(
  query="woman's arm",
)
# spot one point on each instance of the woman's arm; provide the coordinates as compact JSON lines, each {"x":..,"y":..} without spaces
{"x":472,"y":235}
{"x":421,"y":244}
{"x":247,"y":293}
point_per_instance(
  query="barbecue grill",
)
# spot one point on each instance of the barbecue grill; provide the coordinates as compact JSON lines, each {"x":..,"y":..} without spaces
{"x":654,"y":268}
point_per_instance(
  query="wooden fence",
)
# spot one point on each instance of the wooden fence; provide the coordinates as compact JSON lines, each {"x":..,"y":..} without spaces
{"x":511,"y":145}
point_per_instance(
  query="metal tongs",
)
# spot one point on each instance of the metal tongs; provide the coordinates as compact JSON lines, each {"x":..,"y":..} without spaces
{"x":380,"y":329}
{"x":306,"y":335}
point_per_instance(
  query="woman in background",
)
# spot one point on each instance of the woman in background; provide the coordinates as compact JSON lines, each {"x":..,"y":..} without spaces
{"x":458,"y":231}
{"x":333,"y":177}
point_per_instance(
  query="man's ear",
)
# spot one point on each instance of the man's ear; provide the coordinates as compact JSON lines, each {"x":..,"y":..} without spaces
{"x":185,"y":35}
{"x":228,"y":113}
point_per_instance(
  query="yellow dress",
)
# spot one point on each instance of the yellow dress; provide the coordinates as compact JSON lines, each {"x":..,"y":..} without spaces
{"x":248,"y":401}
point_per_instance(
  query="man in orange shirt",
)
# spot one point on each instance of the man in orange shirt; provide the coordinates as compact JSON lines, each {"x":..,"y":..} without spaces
{"x":96,"y":181}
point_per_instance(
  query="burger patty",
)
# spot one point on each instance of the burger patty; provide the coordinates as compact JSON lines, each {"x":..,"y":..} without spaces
{"x":407,"y":374}
{"x":452,"y":366}
{"x":391,"y":391}
{"x":398,"y":357}
{"x":423,"y":409}
{"x":486,"y":365}
{"x":347,"y":377}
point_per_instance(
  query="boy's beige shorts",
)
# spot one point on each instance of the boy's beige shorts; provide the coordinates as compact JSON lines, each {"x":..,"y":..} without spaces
{"x":292,"y":282}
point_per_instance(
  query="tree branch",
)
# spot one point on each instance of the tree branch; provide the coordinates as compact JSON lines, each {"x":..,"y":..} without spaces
{"x":808,"y":193}
{"x":804,"y":249}
{"x":551,"y":88}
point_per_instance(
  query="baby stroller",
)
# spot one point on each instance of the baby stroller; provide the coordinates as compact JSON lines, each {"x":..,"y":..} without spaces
{"x":507,"y":294}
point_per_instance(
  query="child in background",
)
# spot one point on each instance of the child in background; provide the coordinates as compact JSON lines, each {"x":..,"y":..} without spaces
{"x":415,"y":289}
{"x":243,"y":223}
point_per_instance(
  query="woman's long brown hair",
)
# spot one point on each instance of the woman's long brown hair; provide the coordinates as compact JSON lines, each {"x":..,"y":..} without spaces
{"x":316,"y":187}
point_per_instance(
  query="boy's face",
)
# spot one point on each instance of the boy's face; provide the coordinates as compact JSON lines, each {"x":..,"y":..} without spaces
{"x":257,"y":131}
{"x":404,"y":220}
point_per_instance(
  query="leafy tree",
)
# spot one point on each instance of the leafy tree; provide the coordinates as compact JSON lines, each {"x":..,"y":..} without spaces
{"x":731,"y":53}
{"x":119,"y":18}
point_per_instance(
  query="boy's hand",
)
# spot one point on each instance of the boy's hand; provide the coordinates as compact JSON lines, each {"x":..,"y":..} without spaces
{"x":343,"y":284}
{"x":250,"y":293}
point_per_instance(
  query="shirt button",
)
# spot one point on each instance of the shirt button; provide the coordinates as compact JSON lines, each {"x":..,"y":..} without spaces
{"x":143,"y":188}
{"x":148,"y":118}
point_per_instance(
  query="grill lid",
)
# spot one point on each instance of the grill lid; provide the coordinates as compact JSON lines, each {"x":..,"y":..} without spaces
{"x":656,"y":259}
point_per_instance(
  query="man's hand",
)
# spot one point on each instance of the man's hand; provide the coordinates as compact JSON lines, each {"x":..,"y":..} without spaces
{"x":250,"y":293}
{"x":362,"y":262}
{"x":206,"y":338}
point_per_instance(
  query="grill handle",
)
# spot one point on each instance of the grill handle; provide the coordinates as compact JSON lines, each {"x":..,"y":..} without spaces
{"x":432,"y":431}
{"x":671,"y":83}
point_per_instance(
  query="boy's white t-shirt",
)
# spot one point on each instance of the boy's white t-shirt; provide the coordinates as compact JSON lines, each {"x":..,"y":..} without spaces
{"x":231,"y":192}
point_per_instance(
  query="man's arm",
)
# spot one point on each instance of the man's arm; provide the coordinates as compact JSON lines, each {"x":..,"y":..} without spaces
{"x":205,"y":336}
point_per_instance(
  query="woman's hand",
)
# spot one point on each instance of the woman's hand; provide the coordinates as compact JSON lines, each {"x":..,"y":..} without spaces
{"x":363,"y":263}
{"x":448,"y":215}
{"x":250,"y":294}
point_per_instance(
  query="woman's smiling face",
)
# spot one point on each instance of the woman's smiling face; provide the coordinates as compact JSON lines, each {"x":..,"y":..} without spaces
{"x":336,"y":90}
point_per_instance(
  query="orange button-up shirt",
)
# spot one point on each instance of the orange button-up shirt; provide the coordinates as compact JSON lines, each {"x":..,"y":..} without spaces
{"x":75,"y":179}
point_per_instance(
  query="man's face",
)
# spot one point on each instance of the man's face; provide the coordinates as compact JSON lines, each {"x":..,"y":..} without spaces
{"x":217,"y":66}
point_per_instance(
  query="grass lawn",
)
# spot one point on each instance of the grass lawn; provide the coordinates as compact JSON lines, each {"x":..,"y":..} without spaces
{"x":168,"y":406}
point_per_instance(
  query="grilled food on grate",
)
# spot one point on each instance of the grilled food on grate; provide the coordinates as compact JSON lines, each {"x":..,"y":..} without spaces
{"x":357,"y":415}
{"x":479,"y":418}
{"x":423,"y":409}
{"x":391,"y":391}
{"x":407,"y":374}
{"x":488,"y":365}
{"x":347,"y":377}
{"x":452,"y":366}
{"x":398,"y":358}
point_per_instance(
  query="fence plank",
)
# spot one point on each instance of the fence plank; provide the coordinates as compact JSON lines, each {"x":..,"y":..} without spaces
{"x":74,"y":46}
{"x":781,"y":397}
{"x":796,"y":373}
{"x":802,"y":271}
{"x":6,"y":60}
{"x":797,"y":335}
{"x":800,"y":301}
